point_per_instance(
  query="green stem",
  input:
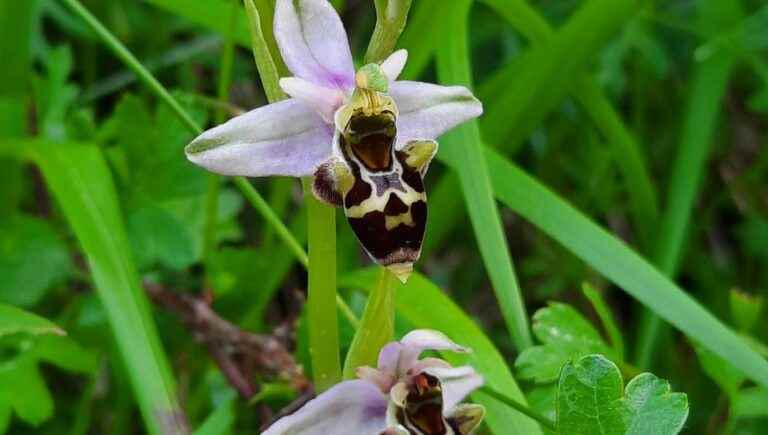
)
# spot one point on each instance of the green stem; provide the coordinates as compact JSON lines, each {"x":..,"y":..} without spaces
{"x":214,"y":180}
{"x":391,"y":16}
{"x":377,"y":326}
{"x":544,"y":421}
{"x":322,"y":297}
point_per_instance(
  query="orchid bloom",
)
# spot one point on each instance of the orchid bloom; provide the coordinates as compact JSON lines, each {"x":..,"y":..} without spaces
{"x":366,"y":137}
{"x":404,"y":395}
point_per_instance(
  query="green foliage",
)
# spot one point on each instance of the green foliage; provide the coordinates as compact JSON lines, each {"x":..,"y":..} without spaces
{"x":33,"y":258}
{"x":591,"y":400}
{"x":26,"y":340}
{"x":565,"y":335}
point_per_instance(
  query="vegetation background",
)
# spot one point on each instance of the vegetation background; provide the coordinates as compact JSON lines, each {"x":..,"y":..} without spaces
{"x":625,"y":144}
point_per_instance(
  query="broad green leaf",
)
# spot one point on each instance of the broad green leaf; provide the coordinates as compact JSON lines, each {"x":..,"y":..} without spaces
{"x":616,"y":261}
{"x":591,"y":400}
{"x":14,"y":320}
{"x":79,"y":179}
{"x":424,"y":305}
{"x":465,"y":146}
{"x":33,"y":258}
{"x":565,"y":335}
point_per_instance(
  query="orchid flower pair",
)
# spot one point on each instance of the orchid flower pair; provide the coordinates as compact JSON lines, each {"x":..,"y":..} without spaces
{"x":404,"y":395}
{"x":366,"y":138}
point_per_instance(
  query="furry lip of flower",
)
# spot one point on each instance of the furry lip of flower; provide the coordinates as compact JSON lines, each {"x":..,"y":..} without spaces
{"x":404,"y":395}
{"x":367,"y":137}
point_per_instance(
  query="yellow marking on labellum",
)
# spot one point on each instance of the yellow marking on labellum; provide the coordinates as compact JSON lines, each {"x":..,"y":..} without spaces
{"x":391,"y":222}
{"x":420,"y":153}
{"x":378,"y":203}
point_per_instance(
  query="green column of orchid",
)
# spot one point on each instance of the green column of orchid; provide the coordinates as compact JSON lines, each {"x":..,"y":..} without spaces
{"x":321,"y":237}
{"x":378,"y":323}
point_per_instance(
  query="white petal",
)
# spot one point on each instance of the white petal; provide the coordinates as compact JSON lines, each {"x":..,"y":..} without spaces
{"x":427,"y":110}
{"x":349,"y":408}
{"x":389,"y":357}
{"x":457,"y":383}
{"x":324,"y":100}
{"x":394,"y":64}
{"x":285,"y":138}
{"x":313,"y":42}
{"x":419,"y":340}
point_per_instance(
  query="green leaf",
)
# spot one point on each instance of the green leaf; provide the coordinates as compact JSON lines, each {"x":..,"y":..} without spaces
{"x":590,"y":401}
{"x":24,"y":388}
{"x":424,"y":305}
{"x":14,"y":320}
{"x":79,"y":179}
{"x":32,"y":259}
{"x":604,"y":313}
{"x":566,"y":335}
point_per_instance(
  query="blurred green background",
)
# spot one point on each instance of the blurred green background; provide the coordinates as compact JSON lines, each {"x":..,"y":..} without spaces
{"x":648,"y":117}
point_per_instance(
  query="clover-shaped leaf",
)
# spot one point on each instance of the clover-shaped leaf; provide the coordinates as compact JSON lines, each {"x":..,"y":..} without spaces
{"x":590,"y":401}
{"x":566,"y":335}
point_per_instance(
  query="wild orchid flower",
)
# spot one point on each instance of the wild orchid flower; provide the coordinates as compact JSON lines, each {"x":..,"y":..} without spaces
{"x":367,"y":138}
{"x":404,"y":395}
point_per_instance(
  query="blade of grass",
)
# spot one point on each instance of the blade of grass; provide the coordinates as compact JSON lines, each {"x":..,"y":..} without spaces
{"x":80,"y":180}
{"x":616,"y":261}
{"x":465,"y":147}
{"x":424,"y":305}
{"x":210,"y":14}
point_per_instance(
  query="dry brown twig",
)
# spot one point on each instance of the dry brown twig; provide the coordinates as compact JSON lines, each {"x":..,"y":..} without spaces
{"x":239,"y":354}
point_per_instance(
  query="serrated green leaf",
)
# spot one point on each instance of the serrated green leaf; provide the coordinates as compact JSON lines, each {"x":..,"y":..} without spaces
{"x":26,"y":391}
{"x":32,"y":259}
{"x":566,"y":335}
{"x":590,"y":401}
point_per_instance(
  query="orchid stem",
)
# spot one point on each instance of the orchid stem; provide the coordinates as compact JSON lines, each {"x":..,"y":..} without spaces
{"x":377,"y":327}
{"x":322,"y":297}
{"x":214,"y":180}
{"x":520,"y":407}
{"x":391,"y":16}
